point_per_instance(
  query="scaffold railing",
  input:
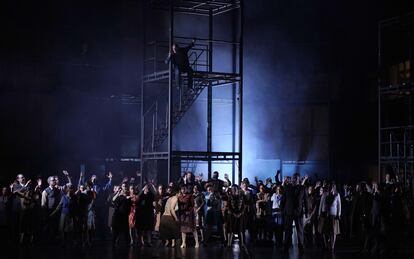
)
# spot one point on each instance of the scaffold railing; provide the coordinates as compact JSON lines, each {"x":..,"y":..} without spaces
{"x":198,"y":7}
{"x":397,"y":143}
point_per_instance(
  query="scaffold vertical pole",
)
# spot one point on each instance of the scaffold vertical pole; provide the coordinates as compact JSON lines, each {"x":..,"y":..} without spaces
{"x":241,"y":91}
{"x":379,"y":102}
{"x":210,"y":92}
{"x":141,"y":163}
{"x":170,"y":90}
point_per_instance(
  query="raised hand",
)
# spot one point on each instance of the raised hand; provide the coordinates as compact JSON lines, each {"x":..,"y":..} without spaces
{"x":65,"y":172}
{"x":110,"y":175}
{"x":199,"y":177}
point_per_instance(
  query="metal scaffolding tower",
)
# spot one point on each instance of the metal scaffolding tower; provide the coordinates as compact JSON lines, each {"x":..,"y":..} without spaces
{"x":163,"y":106}
{"x":395,"y":98}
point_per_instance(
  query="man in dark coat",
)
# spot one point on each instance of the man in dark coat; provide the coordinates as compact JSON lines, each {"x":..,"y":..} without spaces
{"x":179,"y":58}
{"x":294,"y":206}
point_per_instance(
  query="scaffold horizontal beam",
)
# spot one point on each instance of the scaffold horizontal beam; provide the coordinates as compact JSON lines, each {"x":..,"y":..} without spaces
{"x":205,"y":156}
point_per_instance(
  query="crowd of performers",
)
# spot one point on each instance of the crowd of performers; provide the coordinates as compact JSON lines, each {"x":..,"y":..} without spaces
{"x":192,"y":211}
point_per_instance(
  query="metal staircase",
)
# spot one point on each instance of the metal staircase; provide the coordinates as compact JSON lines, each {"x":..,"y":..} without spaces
{"x":180,"y":109}
{"x":201,"y":80}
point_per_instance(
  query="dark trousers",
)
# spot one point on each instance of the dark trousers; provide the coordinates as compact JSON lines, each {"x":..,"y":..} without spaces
{"x":15,"y":225}
{"x":51,"y":225}
{"x":120,"y":226}
{"x":278,"y":233}
{"x":177,"y":75}
{"x":218,"y":224}
{"x":308,"y":234}
{"x":288,"y":229}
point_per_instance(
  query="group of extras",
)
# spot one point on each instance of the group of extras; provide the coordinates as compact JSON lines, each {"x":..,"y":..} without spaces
{"x":193,"y":211}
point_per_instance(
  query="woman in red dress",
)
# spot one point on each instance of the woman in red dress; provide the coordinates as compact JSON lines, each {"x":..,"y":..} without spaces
{"x":131,"y":218}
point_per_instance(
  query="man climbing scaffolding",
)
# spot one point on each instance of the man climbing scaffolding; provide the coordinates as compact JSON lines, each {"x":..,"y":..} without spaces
{"x":179,"y":58}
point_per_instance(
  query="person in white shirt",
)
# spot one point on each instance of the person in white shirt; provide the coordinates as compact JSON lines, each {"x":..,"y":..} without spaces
{"x":277,"y":215}
{"x":330,"y":211}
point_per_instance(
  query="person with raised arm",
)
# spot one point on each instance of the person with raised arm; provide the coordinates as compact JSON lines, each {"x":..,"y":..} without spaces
{"x":219,"y":184}
{"x":179,"y":58}
{"x":278,"y":177}
{"x":111,"y":206}
{"x":122,"y":208}
{"x":68,"y":178}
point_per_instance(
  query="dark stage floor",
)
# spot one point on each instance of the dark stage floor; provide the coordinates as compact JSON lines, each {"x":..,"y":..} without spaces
{"x":104,"y":249}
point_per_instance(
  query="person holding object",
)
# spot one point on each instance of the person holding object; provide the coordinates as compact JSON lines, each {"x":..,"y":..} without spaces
{"x":179,"y":58}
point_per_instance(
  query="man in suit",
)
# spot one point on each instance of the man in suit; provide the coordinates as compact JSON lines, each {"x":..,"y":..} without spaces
{"x":294,"y":206}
